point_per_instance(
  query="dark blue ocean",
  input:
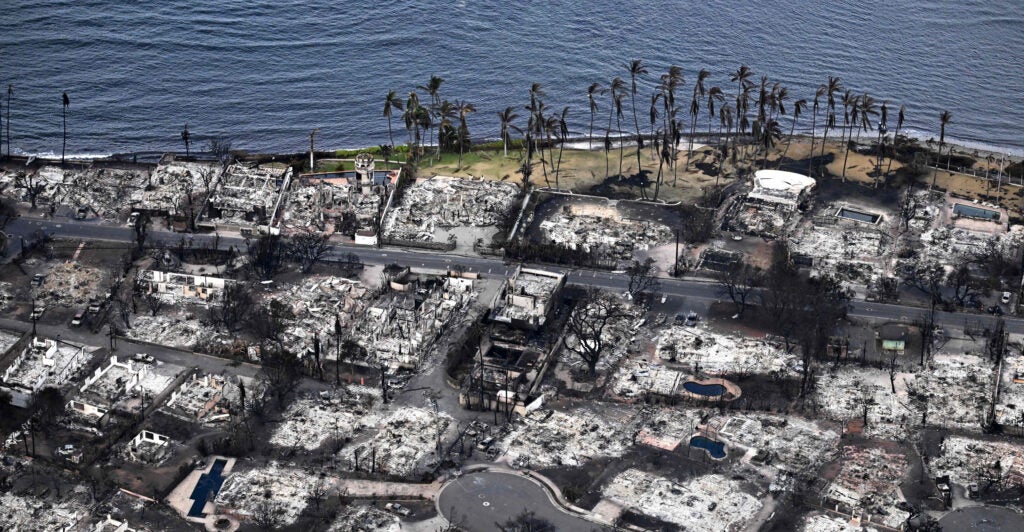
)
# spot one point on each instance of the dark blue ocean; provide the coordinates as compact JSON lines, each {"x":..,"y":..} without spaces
{"x":264,"y":73}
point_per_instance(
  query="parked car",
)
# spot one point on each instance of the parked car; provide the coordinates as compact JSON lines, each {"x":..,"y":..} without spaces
{"x":77,"y":320}
{"x":1006,"y":298}
{"x":94,"y":306}
{"x":995,"y":309}
{"x":132,"y":218}
{"x":37,"y":313}
{"x":144,"y":358}
{"x":398,"y":509}
{"x":81,"y":213}
{"x":37,"y":280}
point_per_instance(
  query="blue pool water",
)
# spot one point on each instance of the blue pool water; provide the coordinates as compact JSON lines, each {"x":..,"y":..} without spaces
{"x":714,"y":448}
{"x":708,"y":390}
{"x":971,"y":211}
{"x":208,"y":486}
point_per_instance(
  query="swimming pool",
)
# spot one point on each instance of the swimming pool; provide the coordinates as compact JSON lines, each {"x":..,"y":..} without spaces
{"x":707,"y":390}
{"x":970,"y":211}
{"x":715,"y":449}
{"x":859,"y":216}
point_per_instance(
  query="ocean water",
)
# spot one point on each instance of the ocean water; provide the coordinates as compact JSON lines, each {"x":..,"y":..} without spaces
{"x":265,"y":73}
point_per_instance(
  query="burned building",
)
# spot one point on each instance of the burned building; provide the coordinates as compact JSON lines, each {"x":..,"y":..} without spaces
{"x":528,"y":298}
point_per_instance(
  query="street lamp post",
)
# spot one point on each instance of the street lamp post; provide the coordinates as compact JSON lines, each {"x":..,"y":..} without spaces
{"x":311,"y":135}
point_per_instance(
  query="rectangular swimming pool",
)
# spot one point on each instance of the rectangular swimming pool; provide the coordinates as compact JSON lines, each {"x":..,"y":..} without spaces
{"x":970,"y":211}
{"x":859,"y":216}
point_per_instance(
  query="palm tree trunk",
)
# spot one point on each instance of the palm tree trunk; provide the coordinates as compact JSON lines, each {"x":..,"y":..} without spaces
{"x":810,"y":154}
{"x":639,"y":141}
{"x":846,"y":157}
{"x":618,"y":129}
{"x":895,"y":136}
{"x":62,"y":148}
{"x":792,"y":129}
{"x":558,"y":166}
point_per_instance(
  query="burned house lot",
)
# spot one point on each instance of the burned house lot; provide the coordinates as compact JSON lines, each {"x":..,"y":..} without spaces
{"x":251,"y":343}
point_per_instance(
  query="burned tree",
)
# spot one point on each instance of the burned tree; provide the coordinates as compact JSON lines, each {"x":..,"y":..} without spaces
{"x":587,"y":327}
{"x":153,"y":302}
{"x":141,"y":229}
{"x":738,"y":281}
{"x":526,"y":521}
{"x":964,"y":284}
{"x":32,"y":185}
{"x":236,"y":301}
{"x":266,"y":256}
{"x":281,"y":370}
{"x":908,"y":207}
{"x":926,"y":325}
{"x":309,"y":248}
{"x":269,"y":322}
{"x":641,"y":278}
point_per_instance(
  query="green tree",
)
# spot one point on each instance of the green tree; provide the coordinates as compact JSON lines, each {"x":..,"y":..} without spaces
{"x":433,"y":88}
{"x":945,"y":118}
{"x":699,"y":92}
{"x":636,"y":69}
{"x":798,"y":108}
{"x":830,"y":90}
{"x":391,"y":103}
{"x":506,"y":117}
{"x":463,"y":108}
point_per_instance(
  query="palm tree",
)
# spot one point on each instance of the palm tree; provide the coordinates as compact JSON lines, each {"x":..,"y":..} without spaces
{"x":699,"y":92}
{"x":615,"y":89}
{"x":618,"y":126}
{"x":715,"y":94}
{"x":593,"y":90}
{"x":391,"y":102}
{"x":413,"y":120}
{"x":945,"y":118}
{"x":814,"y":123}
{"x":186,"y":137}
{"x":868,"y":107}
{"x":742,"y":80}
{"x":65,"y":103}
{"x":849,"y":101}
{"x":506,"y":117}
{"x":464,"y":108}
{"x":770,"y":133}
{"x":563,"y":133}
{"x":433,"y":88}
{"x":896,"y":136}
{"x":798,"y":109}
{"x":830,"y":89}
{"x":653,"y":114}
{"x":883,"y":122}
{"x":636,"y":69}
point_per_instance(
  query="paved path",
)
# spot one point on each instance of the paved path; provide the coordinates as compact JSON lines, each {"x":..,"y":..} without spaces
{"x":476,"y":501}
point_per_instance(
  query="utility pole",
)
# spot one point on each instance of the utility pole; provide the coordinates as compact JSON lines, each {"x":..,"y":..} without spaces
{"x":311,"y":135}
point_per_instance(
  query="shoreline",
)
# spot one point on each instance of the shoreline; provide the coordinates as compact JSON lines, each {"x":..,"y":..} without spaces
{"x":578,"y":143}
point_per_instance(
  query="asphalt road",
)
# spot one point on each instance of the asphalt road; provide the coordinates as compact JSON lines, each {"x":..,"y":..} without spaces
{"x":688,"y":288}
{"x":479,"y":501}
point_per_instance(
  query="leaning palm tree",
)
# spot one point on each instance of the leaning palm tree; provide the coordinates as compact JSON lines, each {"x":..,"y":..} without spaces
{"x":798,"y":109}
{"x":506,"y":117}
{"x":896,"y":136}
{"x":593,"y":90}
{"x":850,"y":103}
{"x":65,"y":103}
{"x":945,"y":118}
{"x":636,"y":69}
{"x":830,"y":89}
{"x":618,"y":127}
{"x":563,"y":134}
{"x":391,"y":103}
{"x":653,"y":115}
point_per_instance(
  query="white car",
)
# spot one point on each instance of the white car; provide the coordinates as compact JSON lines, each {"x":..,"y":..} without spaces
{"x":1006,"y":298}
{"x":132,"y":218}
{"x":144,"y":358}
{"x":397,"y":508}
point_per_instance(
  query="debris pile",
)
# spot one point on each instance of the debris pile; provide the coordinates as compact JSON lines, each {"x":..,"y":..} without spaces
{"x":318,"y":301}
{"x":609,"y":234}
{"x":271,"y":489}
{"x":717,"y":354}
{"x":447,"y":202}
{"x":868,"y":482}
{"x":571,"y":438}
{"x":855,"y":253}
{"x":183,"y":331}
{"x":176,"y":187}
{"x":694,"y":505}
{"x":365,"y":519}
{"x":406,"y":444}
{"x":103,"y":191}
{"x":1010,"y":408}
{"x":69,"y":284}
{"x":827,"y":523}
{"x":331,"y":205}
{"x":248,"y":193}
{"x":30,"y":513}
{"x":666,"y":428}
{"x":846,"y":394}
{"x":789,"y":443}
{"x":955,"y":390}
{"x":968,"y":461}
{"x":311,"y":421}
{"x":616,"y":337}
